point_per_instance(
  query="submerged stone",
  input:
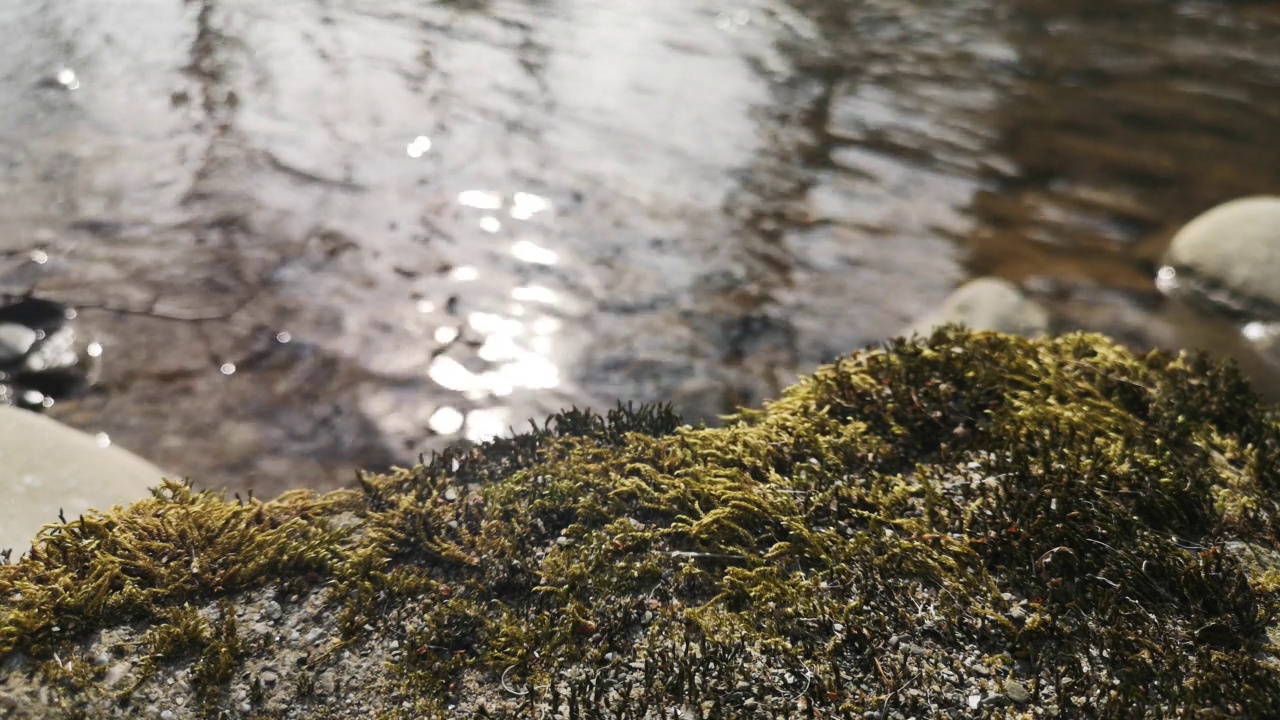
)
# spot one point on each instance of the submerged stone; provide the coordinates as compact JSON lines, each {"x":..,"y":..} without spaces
{"x":854,"y":549}
{"x":39,"y":361}
{"x":15,"y":341}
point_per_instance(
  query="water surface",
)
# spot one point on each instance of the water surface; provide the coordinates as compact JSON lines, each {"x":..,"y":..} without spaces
{"x":315,"y":235}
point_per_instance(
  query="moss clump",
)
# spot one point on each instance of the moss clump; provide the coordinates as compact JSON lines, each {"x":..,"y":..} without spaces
{"x":970,"y":524}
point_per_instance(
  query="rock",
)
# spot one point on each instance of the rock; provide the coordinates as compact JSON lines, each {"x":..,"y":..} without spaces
{"x":1016,"y":692}
{"x":273,"y":611}
{"x":46,"y":466}
{"x":115,"y":674}
{"x":39,"y":354}
{"x":326,"y":684}
{"x":987,"y":304}
{"x":481,"y":614}
{"x":1229,"y":259}
{"x":15,"y":342}
{"x":43,"y":316}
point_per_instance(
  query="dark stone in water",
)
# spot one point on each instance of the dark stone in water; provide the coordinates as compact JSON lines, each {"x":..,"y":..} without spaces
{"x":43,"y":316}
{"x":50,"y":368}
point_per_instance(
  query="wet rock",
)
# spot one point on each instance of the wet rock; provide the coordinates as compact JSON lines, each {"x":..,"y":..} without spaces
{"x":15,"y":342}
{"x":46,"y":467}
{"x":39,"y":358}
{"x":44,"y":316}
{"x":1229,"y":258}
{"x":987,"y":304}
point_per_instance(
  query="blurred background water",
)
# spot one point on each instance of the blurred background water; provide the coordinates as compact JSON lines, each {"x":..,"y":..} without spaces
{"x":316,"y":235}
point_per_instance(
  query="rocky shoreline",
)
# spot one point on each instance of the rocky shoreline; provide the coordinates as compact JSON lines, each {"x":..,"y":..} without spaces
{"x":973,"y":525}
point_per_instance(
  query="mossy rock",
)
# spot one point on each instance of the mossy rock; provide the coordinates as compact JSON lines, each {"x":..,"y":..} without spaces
{"x":972,"y":525}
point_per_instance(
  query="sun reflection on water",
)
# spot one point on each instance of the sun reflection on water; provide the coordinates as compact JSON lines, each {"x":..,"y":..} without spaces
{"x":535,"y":294}
{"x":488,"y":423}
{"x":445,"y":421}
{"x":418,"y":147}
{"x":67,"y":78}
{"x":505,"y":350}
{"x":525,"y":205}
{"x":531,"y":252}
{"x":480,"y":199}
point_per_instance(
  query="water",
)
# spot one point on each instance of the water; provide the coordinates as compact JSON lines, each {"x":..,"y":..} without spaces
{"x":316,"y":235}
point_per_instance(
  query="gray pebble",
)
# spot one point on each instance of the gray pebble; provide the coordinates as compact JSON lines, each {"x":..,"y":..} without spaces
{"x":451,"y":494}
{"x":273,"y":610}
{"x":1016,"y":692}
{"x":166,"y":715}
{"x":326,"y":684}
{"x":115,"y":674}
{"x":269,"y":678}
{"x":994,"y":699}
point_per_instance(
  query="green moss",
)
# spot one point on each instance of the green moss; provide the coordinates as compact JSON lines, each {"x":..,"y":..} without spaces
{"x":915,"y":492}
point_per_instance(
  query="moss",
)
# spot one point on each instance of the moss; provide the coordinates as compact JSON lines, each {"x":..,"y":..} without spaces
{"x":977,"y":499}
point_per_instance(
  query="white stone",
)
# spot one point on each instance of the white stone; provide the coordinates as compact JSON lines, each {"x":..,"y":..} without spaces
{"x":15,"y":341}
{"x":46,"y":466}
{"x":1231,"y":254}
{"x":987,"y":304}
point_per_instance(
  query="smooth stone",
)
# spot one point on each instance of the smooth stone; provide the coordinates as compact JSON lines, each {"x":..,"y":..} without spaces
{"x":1230,"y":257}
{"x":15,"y":342}
{"x":46,"y":466}
{"x":987,"y":304}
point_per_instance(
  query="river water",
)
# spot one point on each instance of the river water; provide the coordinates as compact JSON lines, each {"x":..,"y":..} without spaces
{"x":316,"y":235}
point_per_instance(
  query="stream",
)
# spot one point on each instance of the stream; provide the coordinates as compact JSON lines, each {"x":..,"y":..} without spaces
{"x":311,"y":236}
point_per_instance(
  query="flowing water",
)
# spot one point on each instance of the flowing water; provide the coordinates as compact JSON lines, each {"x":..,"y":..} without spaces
{"x":316,"y":235}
